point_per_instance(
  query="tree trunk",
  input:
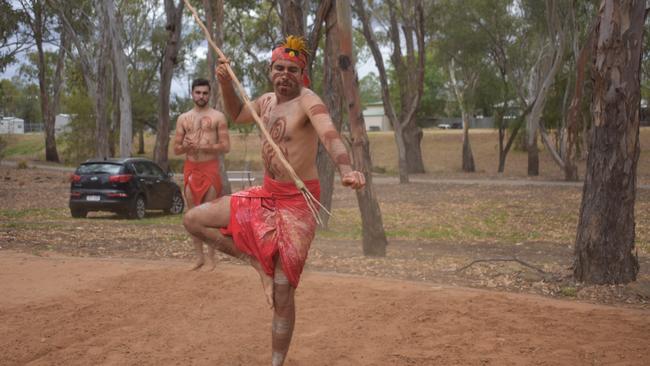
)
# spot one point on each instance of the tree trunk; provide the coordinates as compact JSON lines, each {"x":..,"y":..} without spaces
{"x":468,"y":157}
{"x":174,"y":14}
{"x":415,"y":74}
{"x":214,"y":23}
{"x":122,"y":78}
{"x":574,"y":115}
{"x":38,"y":30}
{"x":402,"y":164}
{"x":604,"y":250}
{"x":533,"y":154}
{"x":332,"y":97}
{"x":115,"y":120}
{"x":293,"y":20}
{"x":413,"y":144}
{"x":94,"y":75}
{"x":102,"y":149}
{"x":141,"y":141}
{"x":374,"y":237}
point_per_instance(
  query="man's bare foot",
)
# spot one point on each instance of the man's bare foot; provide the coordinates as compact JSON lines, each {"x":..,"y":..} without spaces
{"x":199,"y":263}
{"x":211,"y":264}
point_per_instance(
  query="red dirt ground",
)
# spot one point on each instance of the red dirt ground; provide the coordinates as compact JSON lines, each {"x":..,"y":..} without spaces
{"x":57,"y":310}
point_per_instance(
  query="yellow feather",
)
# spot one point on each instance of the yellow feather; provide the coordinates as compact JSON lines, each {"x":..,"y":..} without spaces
{"x":296,"y":43}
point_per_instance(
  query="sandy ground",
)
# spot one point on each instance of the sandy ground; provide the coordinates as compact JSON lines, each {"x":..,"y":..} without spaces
{"x":57,"y":310}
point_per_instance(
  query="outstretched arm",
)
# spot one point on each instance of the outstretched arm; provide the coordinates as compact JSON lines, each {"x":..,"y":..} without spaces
{"x":232,"y":103}
{"x":331,"y":140}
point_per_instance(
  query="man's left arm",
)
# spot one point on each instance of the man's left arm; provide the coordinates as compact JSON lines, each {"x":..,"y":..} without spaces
{"x":330,"y":138}
{"x":223,"y":138}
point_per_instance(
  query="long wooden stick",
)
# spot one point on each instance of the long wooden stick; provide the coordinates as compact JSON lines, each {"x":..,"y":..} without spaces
{"x":297,"y":181}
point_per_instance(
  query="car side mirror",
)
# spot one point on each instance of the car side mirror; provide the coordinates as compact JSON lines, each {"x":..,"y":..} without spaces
{"x":170,"y":174}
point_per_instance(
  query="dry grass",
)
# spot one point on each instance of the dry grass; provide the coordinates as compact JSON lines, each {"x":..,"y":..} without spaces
{"x":441,"y":151}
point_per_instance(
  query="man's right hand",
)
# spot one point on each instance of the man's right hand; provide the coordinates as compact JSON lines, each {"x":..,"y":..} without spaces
{"x":222,"y":71}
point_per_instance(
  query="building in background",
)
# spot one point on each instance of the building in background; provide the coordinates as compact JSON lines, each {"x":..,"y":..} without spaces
{"x":12,"y":125}
{"x":375,"y":118}
{"x":61,"y":123}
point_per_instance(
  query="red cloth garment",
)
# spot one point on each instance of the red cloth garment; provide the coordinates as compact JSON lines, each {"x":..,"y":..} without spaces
{"x":200,"y":176}
{"x":274,"y":219}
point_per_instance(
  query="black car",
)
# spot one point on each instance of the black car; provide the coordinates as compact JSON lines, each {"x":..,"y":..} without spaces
{"x":128,"y":186}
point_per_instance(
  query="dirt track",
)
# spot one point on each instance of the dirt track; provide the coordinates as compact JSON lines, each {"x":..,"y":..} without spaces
{"x":59,"y":310}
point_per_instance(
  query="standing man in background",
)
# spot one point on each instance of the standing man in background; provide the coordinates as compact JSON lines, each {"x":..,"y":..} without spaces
{"x":201,"y":134}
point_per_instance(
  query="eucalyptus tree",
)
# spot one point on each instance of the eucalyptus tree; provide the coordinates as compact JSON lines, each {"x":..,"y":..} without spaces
{"x":463,"y":47}
{"x":114,"y":26}
{"x":492,"y":27}
{"x":92,"y":50}
{"x":374,"y":236}
{"x":170,"y":59}
{"x":249,"y":37}
{"x":604,"y":249}
{"x":543,"y":45}
{"x":143,"y":44}
{"x":41,"y":24}
{"x":12,"y":41}
{"x":403,"y":21}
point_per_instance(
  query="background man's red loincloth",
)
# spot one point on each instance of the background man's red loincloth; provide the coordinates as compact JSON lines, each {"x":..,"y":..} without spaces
{"x":200,"y":176}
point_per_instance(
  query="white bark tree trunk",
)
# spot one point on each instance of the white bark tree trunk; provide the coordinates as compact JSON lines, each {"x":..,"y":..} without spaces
{"x":121,"y":74}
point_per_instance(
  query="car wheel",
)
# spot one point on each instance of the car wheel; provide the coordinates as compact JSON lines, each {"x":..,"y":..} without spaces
{"x":138,"y":208}
{"x":177,"y":204}
{"x":78,"y":213}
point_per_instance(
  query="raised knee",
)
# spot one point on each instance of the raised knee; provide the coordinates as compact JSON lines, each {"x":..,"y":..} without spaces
{"x":189,"y":221}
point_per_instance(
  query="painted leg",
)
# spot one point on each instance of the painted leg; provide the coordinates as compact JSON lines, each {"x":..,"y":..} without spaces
{"x":210,"y":195}
{"x":284,"y":315}
{"x":212,"y":264}
{"x":198,"y":252}
{"x":204,"y":221}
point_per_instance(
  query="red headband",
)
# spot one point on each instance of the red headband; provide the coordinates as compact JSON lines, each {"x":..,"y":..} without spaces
{"x":295,"y":56}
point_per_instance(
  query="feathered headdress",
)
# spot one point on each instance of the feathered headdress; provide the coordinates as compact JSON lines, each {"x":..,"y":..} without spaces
{"x":294,"y":49}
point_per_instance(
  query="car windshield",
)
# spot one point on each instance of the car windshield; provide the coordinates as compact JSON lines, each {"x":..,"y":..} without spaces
{"x":99,"y":168}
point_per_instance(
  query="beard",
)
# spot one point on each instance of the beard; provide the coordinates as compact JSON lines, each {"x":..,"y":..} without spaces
{"x":287,"y":88}
{"x":200,"y":103}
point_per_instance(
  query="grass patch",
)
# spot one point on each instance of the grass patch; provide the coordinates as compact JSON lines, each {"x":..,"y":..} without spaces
{"x":29,"y":225}
{"x":569,"y":291}
{"x":156,"y":219}
{"x":26,"y":146}
{"x":33,"y":213}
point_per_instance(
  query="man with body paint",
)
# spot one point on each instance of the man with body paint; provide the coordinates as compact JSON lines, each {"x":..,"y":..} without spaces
{"x":201,"y":134}
{"x":271,"y":227}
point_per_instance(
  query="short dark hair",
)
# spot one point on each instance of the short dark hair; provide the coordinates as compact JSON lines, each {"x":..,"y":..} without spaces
{"x":200,"y":82}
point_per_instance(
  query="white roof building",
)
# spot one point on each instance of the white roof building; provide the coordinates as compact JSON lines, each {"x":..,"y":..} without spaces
{"x":375,"y":118}
{"x":12,"y":125}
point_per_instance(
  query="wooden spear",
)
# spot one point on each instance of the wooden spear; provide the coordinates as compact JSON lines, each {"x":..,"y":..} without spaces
{"x":312,"y":202}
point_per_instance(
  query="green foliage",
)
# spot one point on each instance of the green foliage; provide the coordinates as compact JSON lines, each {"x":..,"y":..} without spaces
{"x":78,"y":142}
{"x":369,"y":89}
{"x":434,"y":96}
{"x":20,"y":99}
{"x":10,"y":20}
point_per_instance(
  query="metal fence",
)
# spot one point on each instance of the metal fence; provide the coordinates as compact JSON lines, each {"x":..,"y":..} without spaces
{"x":34,"y":127}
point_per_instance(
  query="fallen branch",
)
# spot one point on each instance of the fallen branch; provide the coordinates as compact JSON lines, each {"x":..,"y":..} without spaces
{"x":312,"y":202}
{"x":513,"y":259}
